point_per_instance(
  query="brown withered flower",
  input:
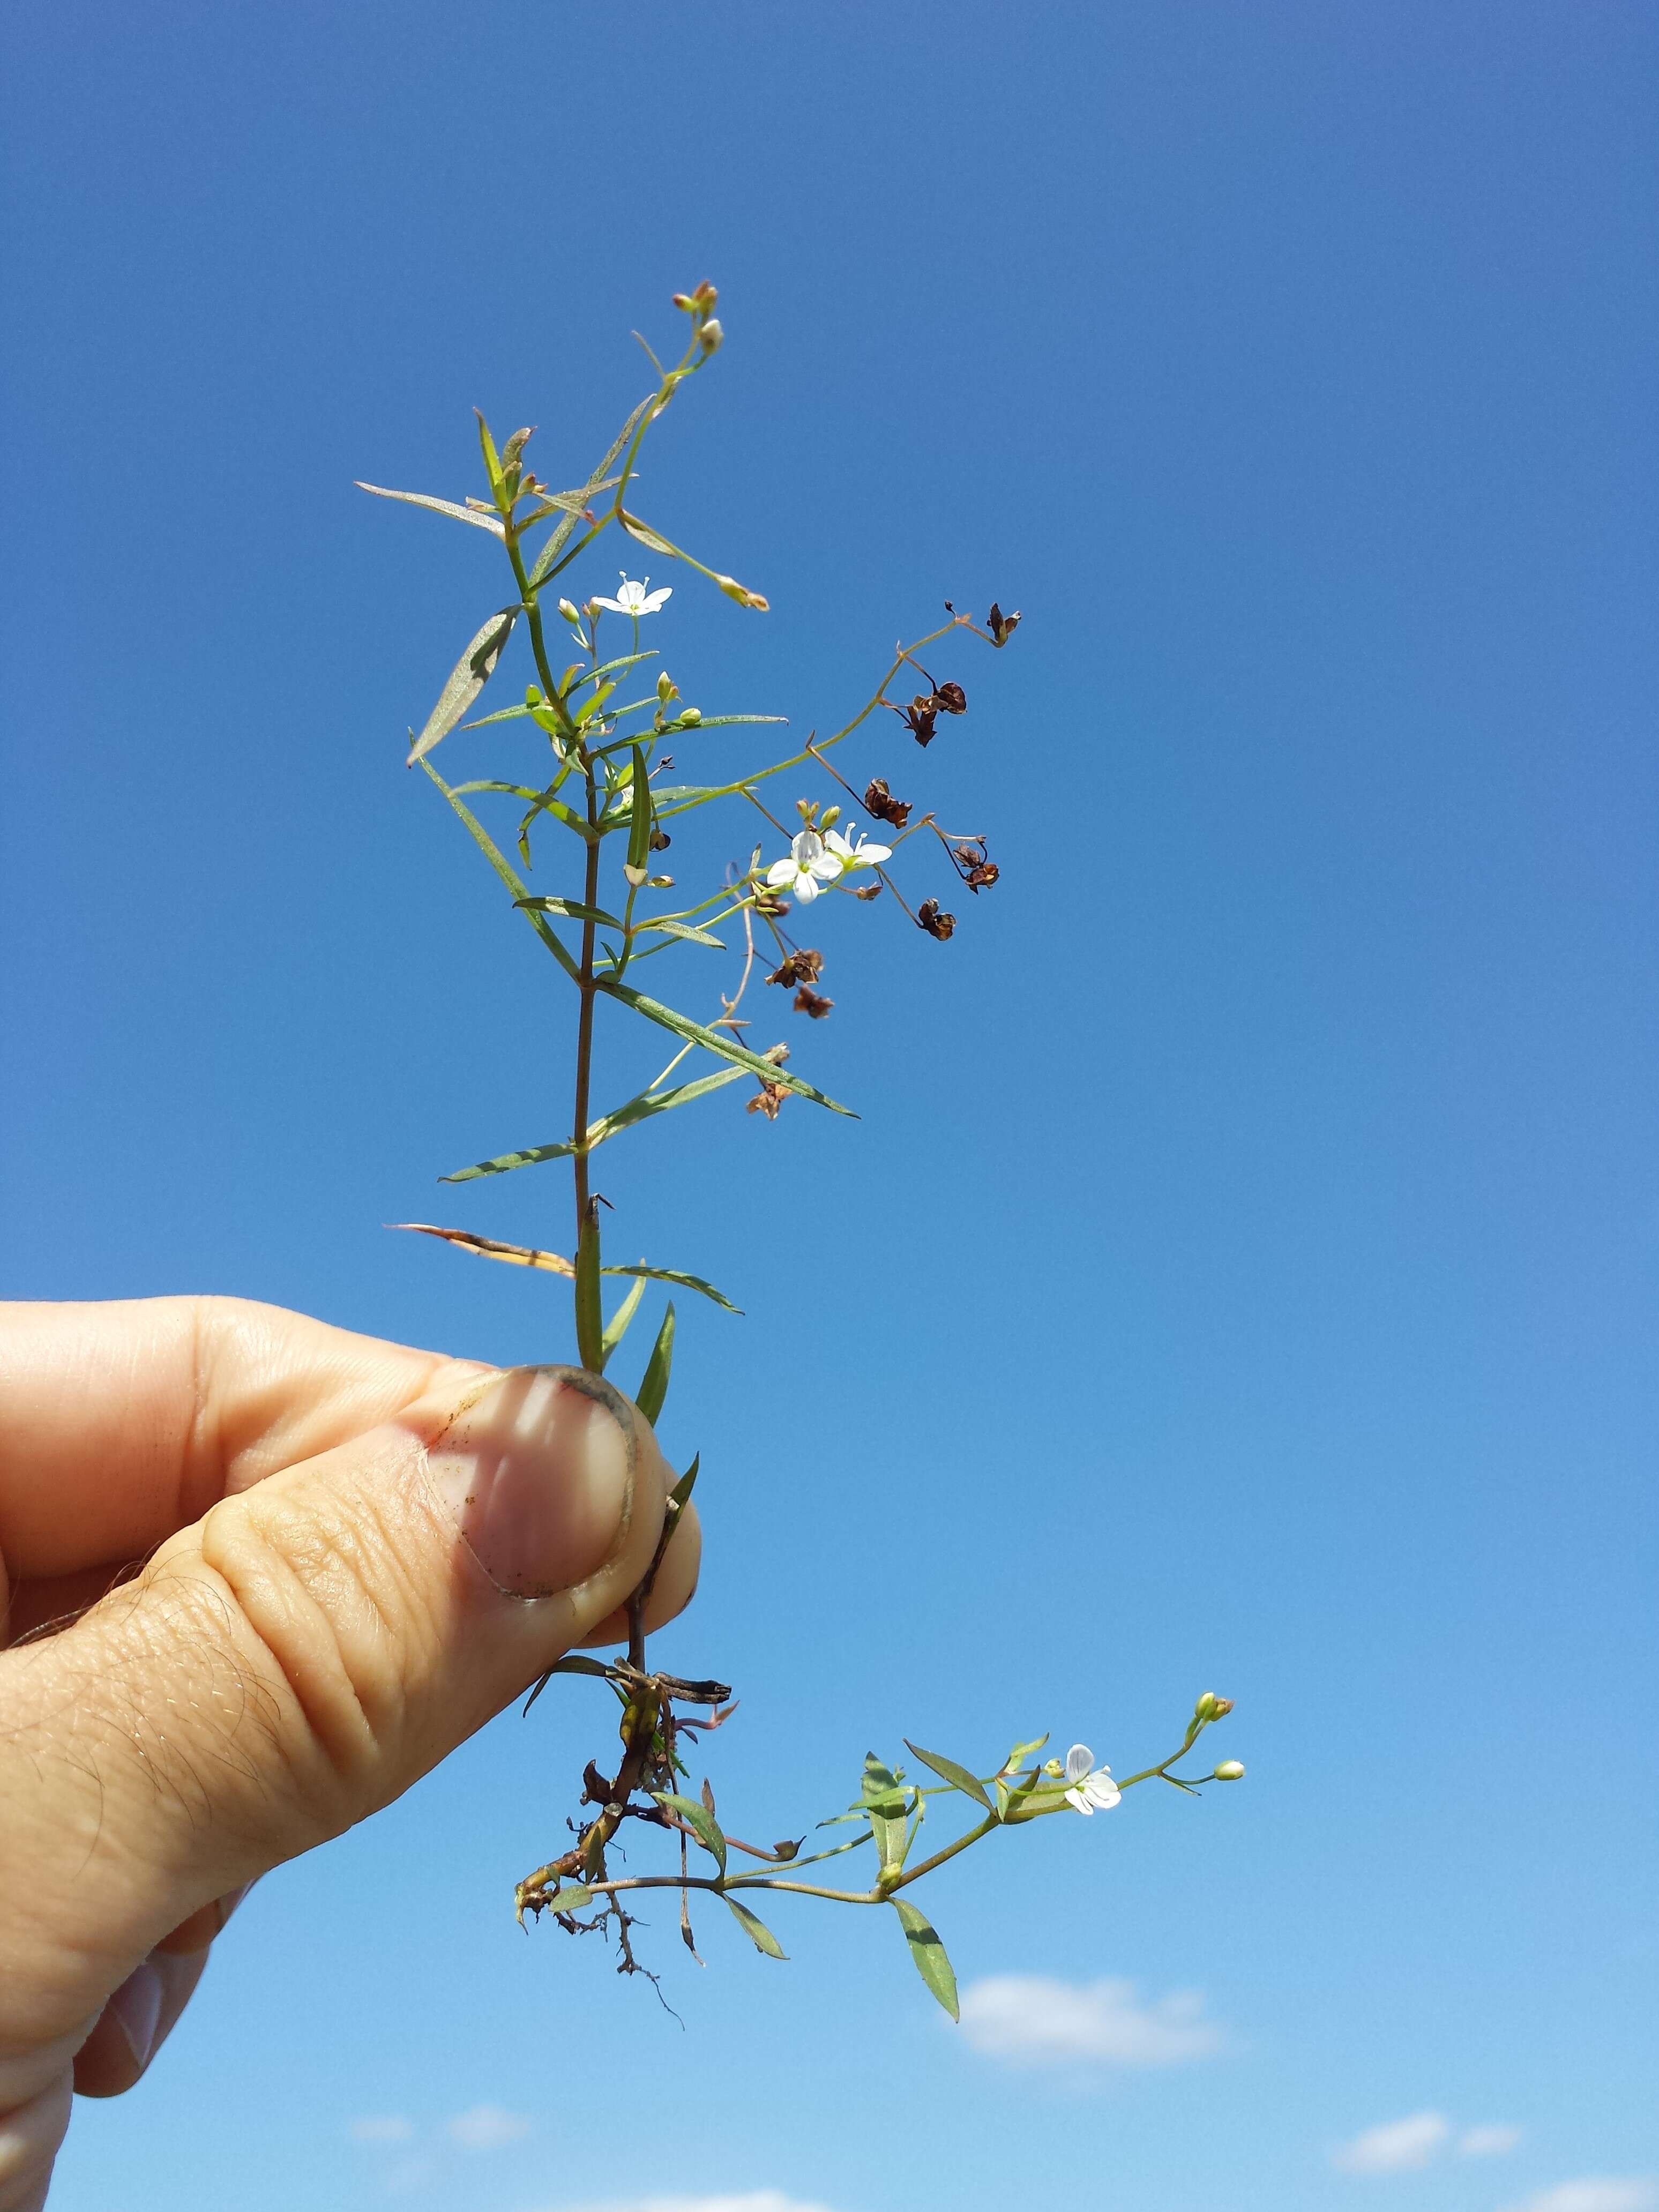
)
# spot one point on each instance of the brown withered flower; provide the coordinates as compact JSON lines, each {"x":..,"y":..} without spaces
{"x":951,"y":699}
{"x":880,"y":802}
{"x":660,"y":840}
{"x":768,"y":902}
{"x":936,"y":924}
{"x":810,"y":1002}
{"x":870,"y":891}
{"x":921,"y":718}
{"x":802,"y":967}
{"x":974,"y":865}
{"x":770,"y":1098}
{"x":1001,"y":626}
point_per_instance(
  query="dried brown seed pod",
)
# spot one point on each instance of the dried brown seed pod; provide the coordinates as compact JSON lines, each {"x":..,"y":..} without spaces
{"x":880,"y":802}
{"x":936,"y":924}
{"x":811,"y":1002}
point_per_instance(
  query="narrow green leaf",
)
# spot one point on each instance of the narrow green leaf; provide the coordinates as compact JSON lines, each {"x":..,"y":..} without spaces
{"x":684,"y":929}
{"x":492,"y":460}
{"x":948,"y":1770}
{"x":757,"y":1930}
{"x":714,"y":1040}
{"x":596,"y":706}
{"x":680,"y":1495}
{"x":596,"y":483}
{"x":471,"y":514}
{"x":701,"y":1821}
{"x":466,"y":679}
{"x":503,"y":1161}
{"x":653,"y":1386}
{"x":686,"y":1282}
{"x":932,"y":1961}
{"x":590,"y":1321}
{"x":608,"y":1125}
{"x":616,"y":1328}
{"x":571,"y":908}
{"x":639,"y":826}
{"x":578,"y":1662}
{"x":721,"y":722}
{"x":1021,"y":1752}
{"x":657,"y":1101}
{"x":570,"y":1900}
{"x":886,"y":1805}
{"x":642,"y":534}
{"x":505,"y":870}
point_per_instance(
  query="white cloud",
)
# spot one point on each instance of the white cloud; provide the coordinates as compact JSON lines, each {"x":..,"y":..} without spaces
{"x":381,"y":2128}
{"x":754,"y":2200}
{"x":1034,"y":2021}
{"x":487,"y":2127}
{"x":1489,"y":2142}
{"x":1595,"y":2193}
{"x":1396,"y":2146}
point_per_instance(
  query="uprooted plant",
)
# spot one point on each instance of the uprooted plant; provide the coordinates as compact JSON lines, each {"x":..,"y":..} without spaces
{"x":606,"y":798}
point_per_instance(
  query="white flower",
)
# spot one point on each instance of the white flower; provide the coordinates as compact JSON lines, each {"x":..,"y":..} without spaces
{"x":807,"y":870}
{"x":634,"y":600}
{"x":857,"y":853}
{"x":1093,"y":1789}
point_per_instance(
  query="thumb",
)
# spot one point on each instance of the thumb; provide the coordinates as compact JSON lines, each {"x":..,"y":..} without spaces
{"x":302,"y":1655}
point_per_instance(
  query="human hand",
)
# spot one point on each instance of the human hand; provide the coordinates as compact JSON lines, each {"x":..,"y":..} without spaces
{"x":353,"y":1555}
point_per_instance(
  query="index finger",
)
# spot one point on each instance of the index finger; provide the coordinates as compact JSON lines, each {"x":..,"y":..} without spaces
{"x":122,"y":1421}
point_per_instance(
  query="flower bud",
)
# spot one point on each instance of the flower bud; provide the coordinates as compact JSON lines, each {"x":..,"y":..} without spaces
{"x":662,"y":883}
{"x":667,"y":688}
{"x":1054,"y":1767}
{"x":734,"y":590}
{"x":830,"y":817}
{"x":705,"y":295}
{"x":1207,"y":1707}
{"x":711,"y":336}
{"x":1229,"y":1771}
{"x":569,"y":611}
{"x":692,"y":715}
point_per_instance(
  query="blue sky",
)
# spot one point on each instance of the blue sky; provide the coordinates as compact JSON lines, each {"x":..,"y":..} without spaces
{"x":1242,"y":1273}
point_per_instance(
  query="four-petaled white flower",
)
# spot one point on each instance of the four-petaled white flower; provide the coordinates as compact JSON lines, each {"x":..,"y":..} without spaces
{"x":857,"y":852}
{"x":634,"y":600}
{"x":1092,"y":1787}
{"x":809,"y":867}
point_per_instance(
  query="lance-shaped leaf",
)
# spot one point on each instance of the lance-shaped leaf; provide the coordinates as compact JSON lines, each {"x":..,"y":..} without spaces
{"x":573,"y":1663}
{"x":608,"y":1125}
{"x":492,"y":460}
{"x":886,"y":1805}
{"x":680,"y":1496}
{"x":757,"y":1930}
{"x":466,"y":679}
{"x":572,"y":909}
{"x":713,"y":1040}
{"x":640,"y":820}
{"x":948,"y":1770}
{"x":701,"y":1821}
{"x":643,"y":534}
{"x":570,"y":1900}
{"x":590,"y":1321}
{"x":653,"y":1386}
{"x":932,"y":1961}
{"x":491,"y":1247}
{"x":684,"y":929}
{"x":505,"y":870}
{"x":472,"y":514}
{"x":675,"y":1275}
{"x":596,"y":483}
{"x":616,"y":1328}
